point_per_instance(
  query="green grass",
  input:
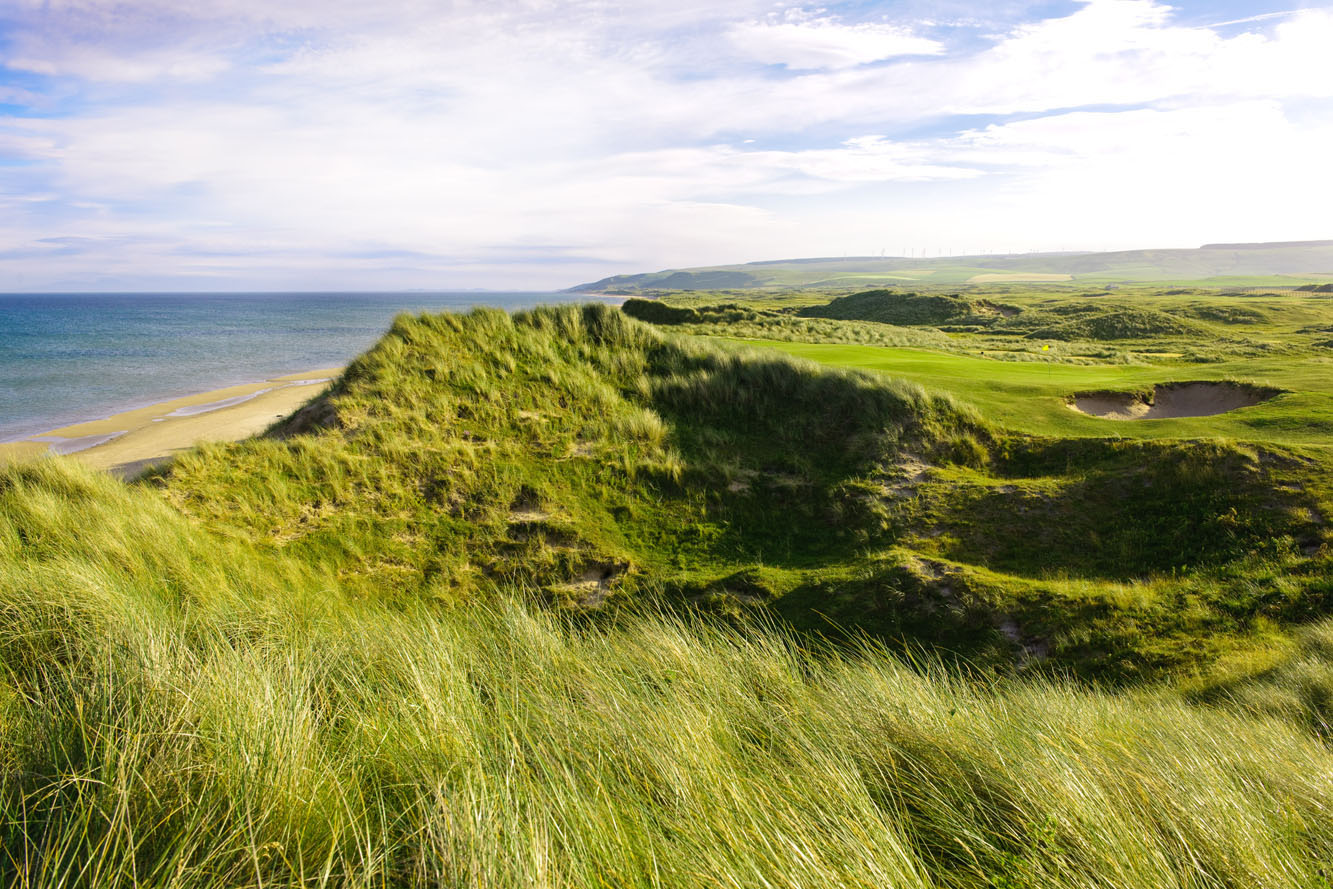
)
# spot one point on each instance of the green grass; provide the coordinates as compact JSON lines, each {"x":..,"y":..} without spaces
{"x":179,"y":710}
{"x":1138,"y":325}
{"x":587,"y":456}
{"x":888,"y":307}
{"x":1032,"y":396}
{"x":1017,"y":353}
{"x":560,"y":599}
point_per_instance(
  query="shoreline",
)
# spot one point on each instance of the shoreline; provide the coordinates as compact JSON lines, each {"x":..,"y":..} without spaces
{"x":129,"y":442}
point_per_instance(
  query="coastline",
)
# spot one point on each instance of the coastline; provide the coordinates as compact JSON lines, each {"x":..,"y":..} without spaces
{"x":129,"y":442}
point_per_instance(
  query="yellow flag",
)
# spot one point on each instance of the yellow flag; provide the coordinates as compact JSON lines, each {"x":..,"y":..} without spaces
{"x":1045,"y":348}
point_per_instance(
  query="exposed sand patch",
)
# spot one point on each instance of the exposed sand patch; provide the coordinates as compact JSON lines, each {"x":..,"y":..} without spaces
{"x":912,"y":471}
{"x":986,"y":307}
{"x":1030,"y":649}
{"x":527,"y":516}
{"x":1171,"y":401}
{"x":741,"y":481}
{"x":594,"y":586}
{"x":129,"y":442}
{"x":994,"y":277}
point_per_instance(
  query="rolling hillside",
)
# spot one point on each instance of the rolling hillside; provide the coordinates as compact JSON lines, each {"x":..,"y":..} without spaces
{"x":1279,"y":263}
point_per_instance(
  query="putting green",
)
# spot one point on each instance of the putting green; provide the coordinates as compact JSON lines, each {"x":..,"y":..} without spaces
{"x":1032,"y":396}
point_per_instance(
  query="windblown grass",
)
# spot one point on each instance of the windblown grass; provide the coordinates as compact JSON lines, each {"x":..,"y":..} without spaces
{"x":594,"y":459}
{"x":182,"y":711}
{"x":504,"y":609}
{"x":1290,"y":678}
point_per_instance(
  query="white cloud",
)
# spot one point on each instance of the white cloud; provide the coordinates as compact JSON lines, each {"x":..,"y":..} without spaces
{"x":56,"y":58}
{"x":1238,"y":171}
{"x":301,"y":141}
{"x":807,"y":42}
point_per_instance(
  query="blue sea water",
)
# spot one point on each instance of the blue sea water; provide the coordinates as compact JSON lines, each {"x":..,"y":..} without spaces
{"x":66,"y":358}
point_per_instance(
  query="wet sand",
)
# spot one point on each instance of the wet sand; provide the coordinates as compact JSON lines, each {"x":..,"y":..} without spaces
{"x":129,"y":442}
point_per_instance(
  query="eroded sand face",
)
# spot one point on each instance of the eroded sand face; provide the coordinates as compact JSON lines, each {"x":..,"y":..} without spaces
{"x":1171,"y":400}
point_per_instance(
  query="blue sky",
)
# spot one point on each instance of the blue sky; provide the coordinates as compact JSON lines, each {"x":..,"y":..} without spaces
{"x":267,"y":145}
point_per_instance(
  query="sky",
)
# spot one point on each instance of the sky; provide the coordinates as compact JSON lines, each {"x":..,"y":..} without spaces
{"x":536,"y":144}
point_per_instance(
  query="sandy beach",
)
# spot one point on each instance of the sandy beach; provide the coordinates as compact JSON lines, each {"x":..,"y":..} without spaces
{"x":128,"y":442}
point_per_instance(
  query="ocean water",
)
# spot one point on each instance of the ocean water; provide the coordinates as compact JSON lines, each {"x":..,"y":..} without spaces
{"x":66,"y":358}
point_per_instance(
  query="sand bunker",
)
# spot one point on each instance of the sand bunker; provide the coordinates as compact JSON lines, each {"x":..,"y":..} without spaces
{"x":1171,"y":400}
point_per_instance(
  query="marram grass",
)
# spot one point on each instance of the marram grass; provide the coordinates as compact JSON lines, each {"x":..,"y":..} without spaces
{"x":441,"y":630}
{"x":179,"y":710}
{"x":596,"y":460}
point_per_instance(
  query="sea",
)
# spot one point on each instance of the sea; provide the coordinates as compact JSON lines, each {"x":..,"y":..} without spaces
{"x":68,"y":358}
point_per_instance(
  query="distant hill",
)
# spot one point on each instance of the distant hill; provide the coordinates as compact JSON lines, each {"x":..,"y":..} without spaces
{"x":1291,"y":263}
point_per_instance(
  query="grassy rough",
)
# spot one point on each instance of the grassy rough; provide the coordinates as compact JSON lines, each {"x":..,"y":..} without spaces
{"x":585,"y":455}
{"x":470,"y":450}
{"x":891,"y":307}
{"x":1127,"y":326}
{"x":430,"y":631}
{"x":179,"y":710}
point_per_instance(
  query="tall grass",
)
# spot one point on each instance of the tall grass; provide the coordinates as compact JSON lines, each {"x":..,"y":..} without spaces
{"x":618,"y":436}
{"x":177,"y":709}
{"x":1290,"y":678}
{"x":595,"y":458}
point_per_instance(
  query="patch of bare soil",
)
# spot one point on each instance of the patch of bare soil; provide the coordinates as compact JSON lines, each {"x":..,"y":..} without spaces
{"x":1171,"y":401}
{"x":594,"y":585}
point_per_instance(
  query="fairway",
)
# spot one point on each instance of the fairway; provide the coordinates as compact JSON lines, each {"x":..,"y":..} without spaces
{"x":1031,"y":396}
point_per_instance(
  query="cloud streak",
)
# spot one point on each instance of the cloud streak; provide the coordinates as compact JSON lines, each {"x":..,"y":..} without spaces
{"x":801,"y":41}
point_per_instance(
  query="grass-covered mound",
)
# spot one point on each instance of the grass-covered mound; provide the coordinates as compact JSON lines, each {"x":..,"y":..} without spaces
{"x":586,"y":456}
{"x":1114,"y":324}
{"x":657,"y":312}
{"x":1071,"y":320}
{"x":181,"y":710}
{"x":1017,"y":323}
{"x":907,"y":309}
{"x":1225,"y":314}
{"x":468,"y":450}
{"x":739,"y":321}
